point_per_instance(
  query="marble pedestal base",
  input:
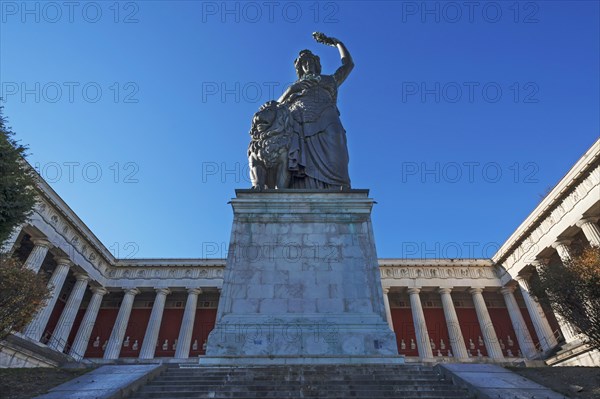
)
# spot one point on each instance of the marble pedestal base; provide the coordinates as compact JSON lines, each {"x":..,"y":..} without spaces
{"x":301,"y":282}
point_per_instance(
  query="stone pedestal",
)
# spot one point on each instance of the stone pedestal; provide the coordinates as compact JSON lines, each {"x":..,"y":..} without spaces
{"x":301,"y":281}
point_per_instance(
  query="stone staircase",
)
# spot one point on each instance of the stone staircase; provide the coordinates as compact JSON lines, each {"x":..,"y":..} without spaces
{"x":301,"y":381}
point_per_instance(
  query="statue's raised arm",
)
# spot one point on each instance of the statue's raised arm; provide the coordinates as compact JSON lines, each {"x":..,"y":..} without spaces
{"x":347,"y":63}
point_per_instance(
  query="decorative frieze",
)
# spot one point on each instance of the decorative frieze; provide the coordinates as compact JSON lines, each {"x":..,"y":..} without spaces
{"x":77,"y":241}
{"x":440,"y":272}
{"x":170,"y":273}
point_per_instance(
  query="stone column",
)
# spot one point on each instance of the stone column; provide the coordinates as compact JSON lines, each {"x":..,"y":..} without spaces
{"x":562,"y":247}
{"x":538,"y":318}
{"x":423,"y":343}
{"x":38,"y":253}
{"x":455,"y":334}
{"x":87,"y":324}
{"x":35,"y":329}
{"x":151,"y":337}
{"x":523,"y":336}
{"x":485,"y":322}
{"x":590,"y":229}
{"x":113,"y":348}
{"x":388,"y":310}
{"x":65,"y":322}
{"x":187,"y":324}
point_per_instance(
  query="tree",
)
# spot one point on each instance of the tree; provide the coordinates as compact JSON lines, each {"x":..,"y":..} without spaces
{"x":22,"y":291}
{"x":573,"y":290}
{"x":22,"y":294}
{"x":17,"y":182}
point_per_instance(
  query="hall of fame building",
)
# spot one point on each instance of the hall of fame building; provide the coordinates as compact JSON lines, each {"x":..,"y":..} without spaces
{"x":104,"y":309}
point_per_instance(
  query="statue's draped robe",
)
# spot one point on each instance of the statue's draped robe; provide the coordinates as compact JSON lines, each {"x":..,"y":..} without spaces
{"x":320,"y":158}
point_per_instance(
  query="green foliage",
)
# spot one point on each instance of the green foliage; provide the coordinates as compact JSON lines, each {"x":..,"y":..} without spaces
{"x":17,"y":182}
{"x":22,"y":293}
{"x":573,"y":290}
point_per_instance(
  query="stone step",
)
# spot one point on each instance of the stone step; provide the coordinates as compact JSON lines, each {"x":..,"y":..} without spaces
{"x":338,"y":373}
{"x":320,"y":380}
{"x":288,"y":371}
{"x":321,"y":394}
{"x":378,"y":376}
{"x":324,"y":380}
{"x":301,"y":381}
{"x":398,"y":381}
{"x":287,"y":386}
{"x":305,"y":368}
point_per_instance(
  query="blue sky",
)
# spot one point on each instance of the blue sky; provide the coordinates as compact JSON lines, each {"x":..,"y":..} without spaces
{"x":458,"y":117}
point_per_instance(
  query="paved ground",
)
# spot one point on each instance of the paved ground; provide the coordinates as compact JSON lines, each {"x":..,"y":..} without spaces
{"x":492,"y":381}
{"x":25,"y":383}
{"x":106,"y":382}
{"x":560,"y":378}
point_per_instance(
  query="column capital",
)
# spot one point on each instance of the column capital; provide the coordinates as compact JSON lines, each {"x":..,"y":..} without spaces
{"x":444,"y":290}
{"x":523,"y":280}
{"x":563,"y":250}
{"x":63,"y":260}
{"x":558,"y":243}
{"x":42,"y":242}
{"x":82,"y":277}
{"x":509,"y":289}
{"x":99,"y":291}
{"x":194,"y":291}
{"x":131,"y":291}
{"x":386,"y":290}
{"x":162,"y":291}
{"x":589,"y":219}
{"x":475,"y":290}
{"x":414,"y":290}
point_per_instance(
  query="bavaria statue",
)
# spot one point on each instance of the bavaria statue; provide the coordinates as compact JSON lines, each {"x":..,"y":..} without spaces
{"x":298,"y":141}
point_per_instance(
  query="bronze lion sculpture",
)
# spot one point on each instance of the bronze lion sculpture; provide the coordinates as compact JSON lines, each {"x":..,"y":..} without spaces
{"x":271,"y":136}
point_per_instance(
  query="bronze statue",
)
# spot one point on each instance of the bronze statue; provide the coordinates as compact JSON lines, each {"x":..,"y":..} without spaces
{"x":317,"y":154}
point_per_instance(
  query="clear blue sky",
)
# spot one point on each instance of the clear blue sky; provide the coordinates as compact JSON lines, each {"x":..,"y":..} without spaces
{"x":458,"y":119}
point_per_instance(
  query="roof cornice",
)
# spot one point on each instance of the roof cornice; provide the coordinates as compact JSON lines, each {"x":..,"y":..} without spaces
{"x":575,"y":175}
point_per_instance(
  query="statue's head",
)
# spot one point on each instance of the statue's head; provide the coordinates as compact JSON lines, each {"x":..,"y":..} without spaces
{"x":307,"y":62}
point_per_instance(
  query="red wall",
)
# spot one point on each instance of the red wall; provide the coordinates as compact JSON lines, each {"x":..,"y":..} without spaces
{"x":136,"y":329}
{"x":404,"y":329}
{"x":203,"y":325}
{"x":530,"y":326}
{"x":469,"y":325}
{"x":54,"y":316}
{"x":437,"y":329}
{"x":504,"y":328}
{"x":76,"y":325}
{"x":102,"y":328}
{"x":169,"y":329}
{"x":205,"y":321}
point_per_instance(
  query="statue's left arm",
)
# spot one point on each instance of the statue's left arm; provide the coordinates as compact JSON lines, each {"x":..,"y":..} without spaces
{"x":347,"y":63}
